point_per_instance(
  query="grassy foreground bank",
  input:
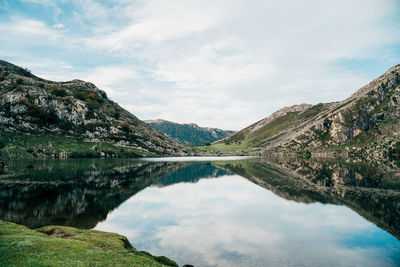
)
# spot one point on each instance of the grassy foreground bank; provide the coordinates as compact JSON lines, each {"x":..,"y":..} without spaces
{"x":67,"y":246}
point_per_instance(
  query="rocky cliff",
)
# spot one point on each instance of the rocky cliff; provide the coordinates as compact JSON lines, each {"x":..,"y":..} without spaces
{"x":75,"y":109}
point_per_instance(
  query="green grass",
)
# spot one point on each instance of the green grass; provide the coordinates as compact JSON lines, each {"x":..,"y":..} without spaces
{"x":24,"y":146}
{"x":390,"y":121}
{"x":247,"y":141}
{"x":226,"y":149}
{"x":272,"y":128}
{"x":20,"y":246}
{"x":311,"y":112}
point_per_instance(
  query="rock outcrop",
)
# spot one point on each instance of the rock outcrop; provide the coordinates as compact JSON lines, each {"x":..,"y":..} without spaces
{"x":75,"y":109}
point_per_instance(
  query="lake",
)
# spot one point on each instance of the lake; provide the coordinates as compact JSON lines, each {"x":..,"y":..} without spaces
{"x":219,"y":211}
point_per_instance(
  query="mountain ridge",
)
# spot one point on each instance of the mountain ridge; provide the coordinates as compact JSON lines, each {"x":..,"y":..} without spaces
{"x":189,"y":133}
{"x":75,"y":109}
{"x":367,"y":123}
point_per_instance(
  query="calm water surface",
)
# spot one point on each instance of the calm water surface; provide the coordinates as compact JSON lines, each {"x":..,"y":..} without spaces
{"x":220,"y":213}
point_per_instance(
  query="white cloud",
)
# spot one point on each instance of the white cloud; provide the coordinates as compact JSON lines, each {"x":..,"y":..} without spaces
{"x":58,"y":26}
{"x":32,"y":27}
{"x":112,"y":78}
{"x":200,"y":61}
{"x":40,"y":2}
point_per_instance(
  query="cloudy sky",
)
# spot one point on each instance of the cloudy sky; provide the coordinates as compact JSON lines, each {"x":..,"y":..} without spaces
{"x":225,"y":63}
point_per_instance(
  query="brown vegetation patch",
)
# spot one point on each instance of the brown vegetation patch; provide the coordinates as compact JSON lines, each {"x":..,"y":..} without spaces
{"x":57,"y":232}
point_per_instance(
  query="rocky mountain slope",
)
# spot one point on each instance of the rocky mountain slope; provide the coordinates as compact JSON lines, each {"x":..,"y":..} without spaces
{"x":78,"y":110}
{"x":189,"y":133}
{"x":367,"y":124}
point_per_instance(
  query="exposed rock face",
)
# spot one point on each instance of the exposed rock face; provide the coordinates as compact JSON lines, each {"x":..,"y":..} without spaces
{"x":370,"y":119}
{"x":189,"y":133}
{"x":78,"y":109}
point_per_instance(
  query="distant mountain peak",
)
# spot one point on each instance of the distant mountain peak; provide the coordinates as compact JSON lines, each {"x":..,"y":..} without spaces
{"x":189,"y":133}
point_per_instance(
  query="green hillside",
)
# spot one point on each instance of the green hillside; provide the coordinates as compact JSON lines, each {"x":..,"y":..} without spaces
{"x":367,"y":125}
{"x":189,"y":133}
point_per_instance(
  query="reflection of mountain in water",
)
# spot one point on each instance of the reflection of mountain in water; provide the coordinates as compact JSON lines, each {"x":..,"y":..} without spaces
{"x":341,"y":184}
{"x":81,"y":193}
{"x":76,"y":194}
{"x":192,"y":174}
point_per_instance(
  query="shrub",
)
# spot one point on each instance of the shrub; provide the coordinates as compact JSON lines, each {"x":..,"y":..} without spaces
{"x":92,"y":103}
{"x":65,"y":125}
{"x":3,"y":142}
{"x":2,"y":167}
{"x":29,"y":97}
{"x":103,"y":94}
{"x":92,"y":95}
{"x":57,"y":91}
{"x":48,"y":116}
{"x":1,"y":77}
{"x":117,"y":115}
{"x":15,"y":86}
{"x":33,"y":110}
{"x":85,"y":154}
{"x":89,"y":114}
{"x":125,"y":126}
{"x":24,"y":101}
{"x":80,"y":95}
{"x":19,"y":81}
{"x":41,"y":85}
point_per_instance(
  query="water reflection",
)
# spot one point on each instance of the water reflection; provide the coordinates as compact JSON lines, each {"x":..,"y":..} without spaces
{"x":258,"y":212}
{"x":232,"y":222}
{"x":307,"y":182}
{"x":77,"y":193}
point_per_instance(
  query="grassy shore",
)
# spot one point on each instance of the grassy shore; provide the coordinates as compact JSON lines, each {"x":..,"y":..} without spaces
{"x":31,"y":146}
{"x":67,"y":246}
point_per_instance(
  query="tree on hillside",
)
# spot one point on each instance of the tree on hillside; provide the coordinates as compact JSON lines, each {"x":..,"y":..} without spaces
{"x":3,"y":144}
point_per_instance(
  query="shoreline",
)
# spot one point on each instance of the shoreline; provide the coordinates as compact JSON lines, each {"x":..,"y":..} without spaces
{"x":68,"y":246}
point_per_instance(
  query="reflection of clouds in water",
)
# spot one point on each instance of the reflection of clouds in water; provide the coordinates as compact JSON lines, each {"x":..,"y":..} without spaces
{"x":230,"y":221}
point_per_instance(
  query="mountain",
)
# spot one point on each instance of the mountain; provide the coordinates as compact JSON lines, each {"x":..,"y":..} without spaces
{"x":189,"y":133}
{"x":365,"y":125}
{"x":41,"y":118}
